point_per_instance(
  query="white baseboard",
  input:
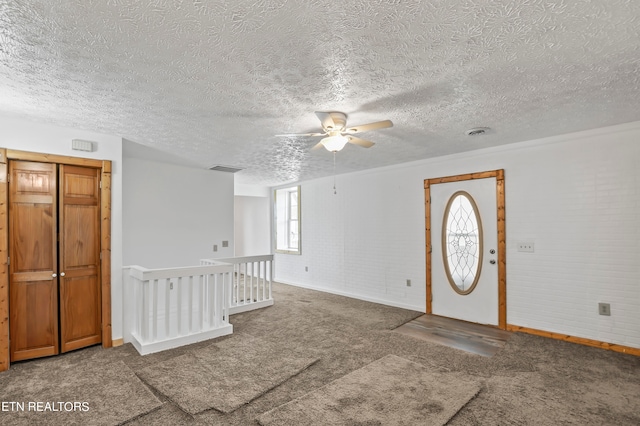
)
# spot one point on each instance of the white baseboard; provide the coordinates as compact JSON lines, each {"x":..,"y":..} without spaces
{"x":250,"y":307}
{"x":149,"y":348}
{"x":355,"y":296}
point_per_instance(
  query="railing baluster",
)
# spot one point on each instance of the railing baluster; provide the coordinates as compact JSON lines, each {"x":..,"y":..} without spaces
{"x":263,"y":274}
{"x":144,"y":312}
{"x":154,"y":318}
{"x":227,"y":288}
{"x":211,"y":296}
{"x":167,"y":308}
{"x":252,"y":296}
{"x":244,"y":284}
{"x":270,"y":277}
{"x":236,"y":284}
{"x":179,"y":308}
{"x":201,"y":301}
{"x":214,"y":302}
{"x":190,"y":304}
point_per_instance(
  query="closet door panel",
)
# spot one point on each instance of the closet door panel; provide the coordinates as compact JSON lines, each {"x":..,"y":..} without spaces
{"x":80,"y":301}
{"x":34,"y":320}
{"x":33,"y":292}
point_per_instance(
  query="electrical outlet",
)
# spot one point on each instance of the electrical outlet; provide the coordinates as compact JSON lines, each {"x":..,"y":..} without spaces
{"x":604,"y":309}
{"x":526,"y":246}
{"x":306,"y":269}
{"x":408,"y":283}
{"x":215,"y":247}
{"x":171,"y":286}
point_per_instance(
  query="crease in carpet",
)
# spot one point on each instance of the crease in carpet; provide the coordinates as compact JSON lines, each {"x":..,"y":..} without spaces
{"x":225,"y":375}
{"x":389,"y":391}
{"x":103,"y":393}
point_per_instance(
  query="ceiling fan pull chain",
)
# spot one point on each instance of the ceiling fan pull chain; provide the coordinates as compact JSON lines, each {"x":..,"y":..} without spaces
{"x":334,"y":173}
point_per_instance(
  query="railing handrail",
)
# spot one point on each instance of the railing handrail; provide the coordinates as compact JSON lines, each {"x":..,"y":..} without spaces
{"x":243,"y":259}
{"x":144,"y":274}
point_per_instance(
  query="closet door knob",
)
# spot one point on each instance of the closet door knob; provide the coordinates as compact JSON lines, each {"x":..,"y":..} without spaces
{"x":62,"y":274}
{"x":54,"y":275}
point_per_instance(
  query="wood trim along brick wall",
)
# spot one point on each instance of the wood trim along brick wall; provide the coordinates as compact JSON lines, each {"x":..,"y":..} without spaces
{"x":579,"y":340}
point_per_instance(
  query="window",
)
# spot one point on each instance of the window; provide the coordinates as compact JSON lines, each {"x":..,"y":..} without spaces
{"x":462,"y":242}
{"x":287,"y":215}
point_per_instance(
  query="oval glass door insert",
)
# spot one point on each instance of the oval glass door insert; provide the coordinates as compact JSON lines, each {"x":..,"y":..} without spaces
{"x":462,"y":242}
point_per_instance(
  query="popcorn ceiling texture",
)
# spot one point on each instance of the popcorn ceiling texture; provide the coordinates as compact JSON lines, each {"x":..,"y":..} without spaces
{"x":213,"y":82}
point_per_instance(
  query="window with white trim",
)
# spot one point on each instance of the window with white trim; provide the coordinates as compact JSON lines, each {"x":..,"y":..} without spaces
{"x":287,"y":217}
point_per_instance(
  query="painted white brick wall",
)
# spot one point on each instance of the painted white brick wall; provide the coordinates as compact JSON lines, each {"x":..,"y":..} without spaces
{"x":575,"y":196}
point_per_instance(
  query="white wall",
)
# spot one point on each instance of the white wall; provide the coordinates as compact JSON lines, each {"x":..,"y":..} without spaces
{"x":576,"y":196}
{"x":44,"y":138}
{"x":173,"y":215}
{"x":252,"y":226}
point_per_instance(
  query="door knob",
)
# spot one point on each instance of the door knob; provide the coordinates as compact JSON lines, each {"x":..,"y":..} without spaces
{"x":54,"y":275}
{"x":492,"y":261}
{"x":62,"y":274}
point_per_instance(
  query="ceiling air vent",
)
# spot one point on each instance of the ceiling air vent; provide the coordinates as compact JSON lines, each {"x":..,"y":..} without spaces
{"x":227,"y":169}
{"x":477,"y":131}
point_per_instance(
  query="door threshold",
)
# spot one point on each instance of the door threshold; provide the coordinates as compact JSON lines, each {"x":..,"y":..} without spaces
{"x":484,"y":340}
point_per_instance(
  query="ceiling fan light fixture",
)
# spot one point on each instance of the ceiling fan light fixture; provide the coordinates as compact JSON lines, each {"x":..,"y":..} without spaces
{"x":334,"y":143}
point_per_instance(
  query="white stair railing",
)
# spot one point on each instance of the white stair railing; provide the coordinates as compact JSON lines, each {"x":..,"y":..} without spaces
{"x":179,"y":306}
{"x":252,"y":278}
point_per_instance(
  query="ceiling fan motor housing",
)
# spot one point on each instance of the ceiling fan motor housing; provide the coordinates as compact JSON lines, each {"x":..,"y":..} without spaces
{"x":339,"y":121}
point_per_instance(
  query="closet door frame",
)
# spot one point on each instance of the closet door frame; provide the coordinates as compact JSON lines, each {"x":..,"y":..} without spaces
{"x":105,"y":239}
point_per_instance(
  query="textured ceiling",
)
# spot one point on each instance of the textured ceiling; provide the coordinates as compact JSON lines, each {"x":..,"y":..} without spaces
{"x":213,"y":82}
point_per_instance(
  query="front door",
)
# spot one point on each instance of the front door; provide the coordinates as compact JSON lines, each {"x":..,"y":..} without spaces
{"x":465,"y":263}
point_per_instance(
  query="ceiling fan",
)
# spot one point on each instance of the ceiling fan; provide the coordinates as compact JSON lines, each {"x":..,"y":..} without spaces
{"x":337,"y":134}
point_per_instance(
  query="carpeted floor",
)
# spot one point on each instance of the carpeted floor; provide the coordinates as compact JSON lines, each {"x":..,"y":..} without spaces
{"x":390,"y":391}
{"x":224,"y":375}
{"x":57,"y":391}
{"x":531,"y":381}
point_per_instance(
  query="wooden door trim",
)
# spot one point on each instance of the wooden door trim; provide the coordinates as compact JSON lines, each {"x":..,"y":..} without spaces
{"x":502,"y":241}
{"x":13,"y":154}
{"x":4,"y":267}
{"x":105,"y":239}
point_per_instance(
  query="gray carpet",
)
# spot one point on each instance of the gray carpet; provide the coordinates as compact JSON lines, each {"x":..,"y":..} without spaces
{"x":390,"y":391}
{"x":107,"y":394}
{"x":226,"y":375}
{"x":530,"y":381}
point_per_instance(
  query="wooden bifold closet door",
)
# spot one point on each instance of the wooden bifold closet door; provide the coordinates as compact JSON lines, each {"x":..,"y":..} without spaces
{"x":54,"y":250}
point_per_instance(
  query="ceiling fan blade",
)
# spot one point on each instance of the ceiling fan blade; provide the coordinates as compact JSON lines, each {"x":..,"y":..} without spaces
{"x":361,"y":142}
{"x":371,"y":126}
{"x":293,"y":135}
{"x":326,"y":120}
